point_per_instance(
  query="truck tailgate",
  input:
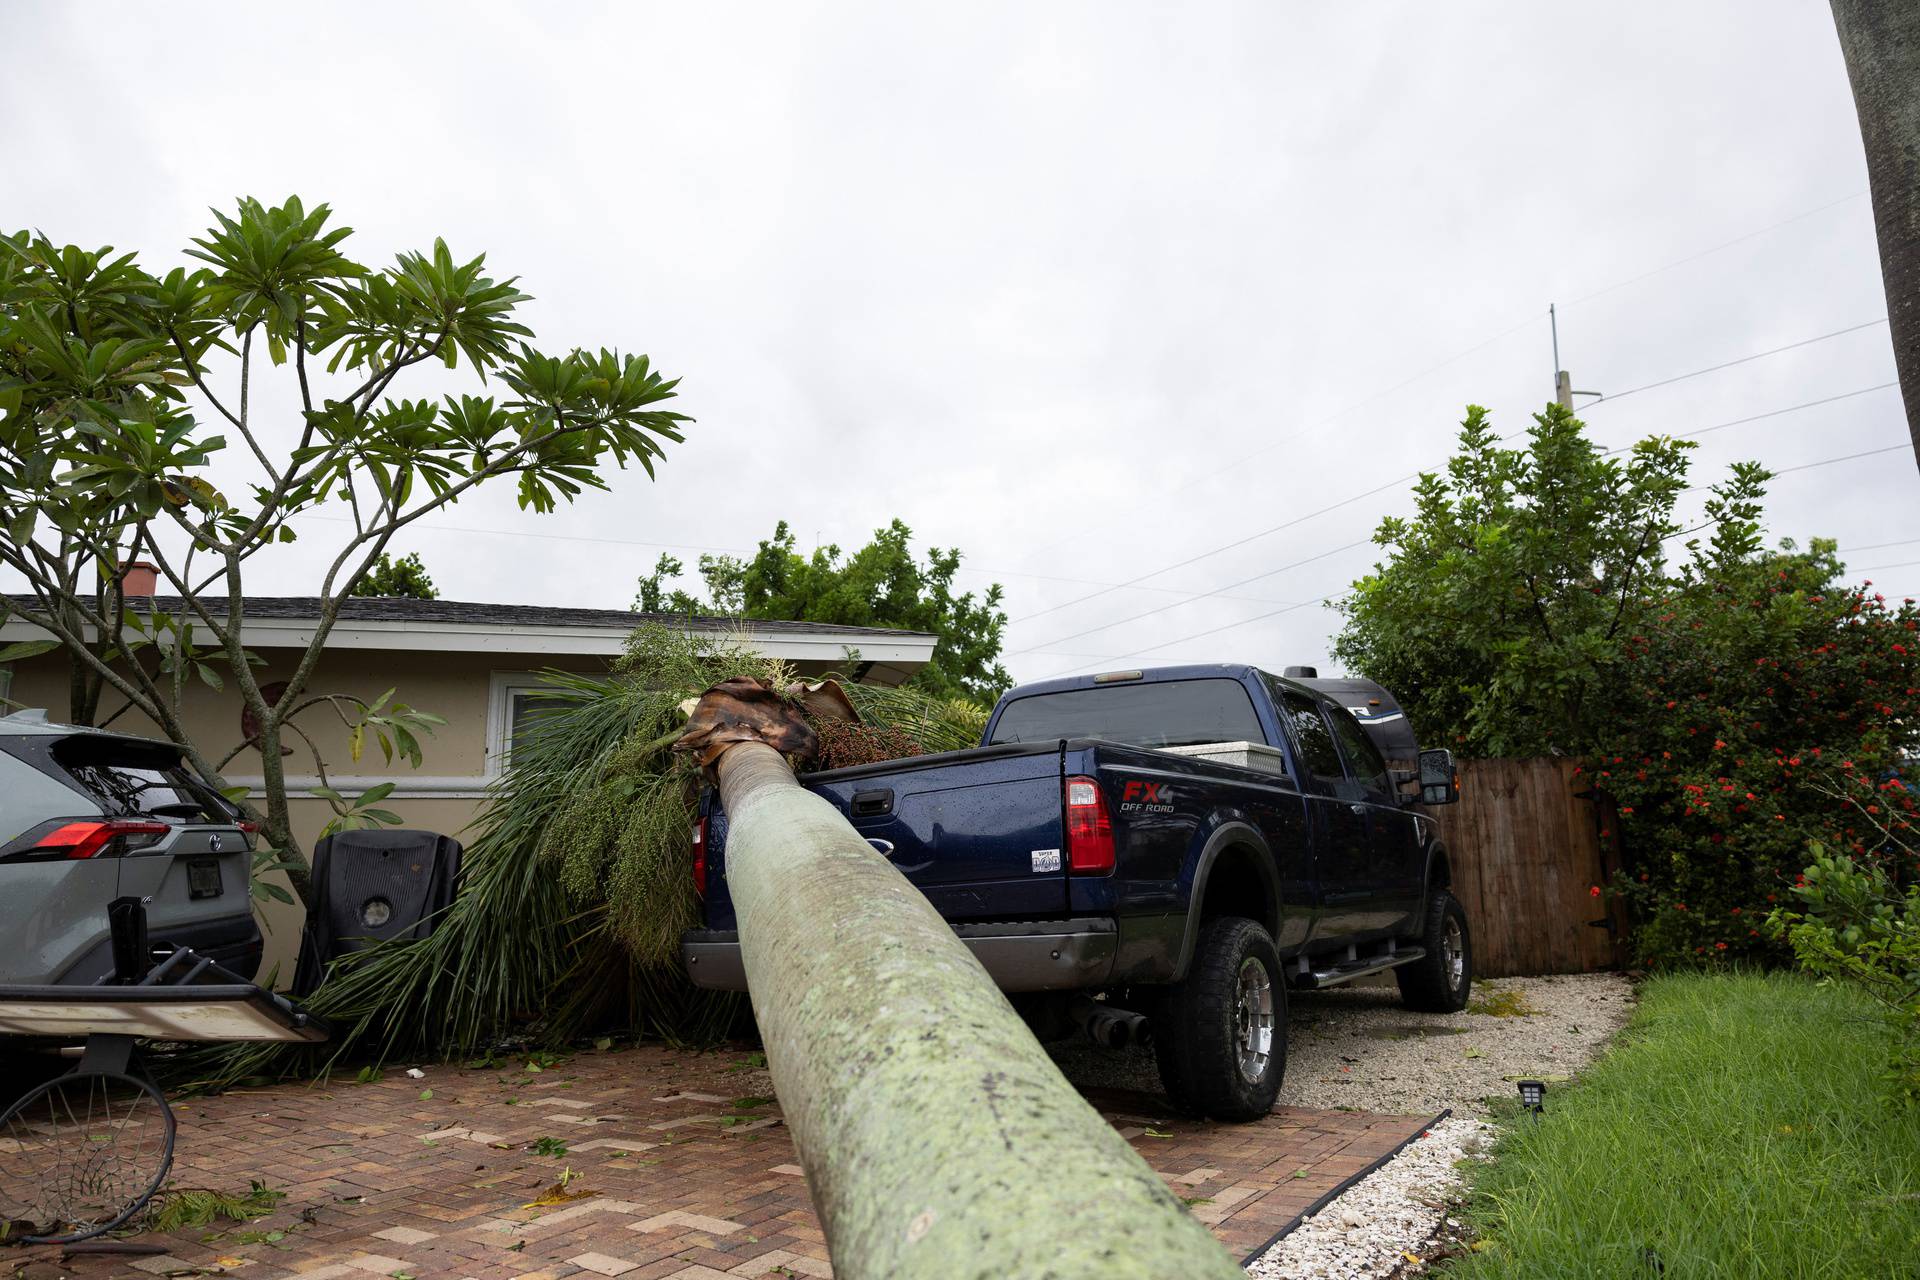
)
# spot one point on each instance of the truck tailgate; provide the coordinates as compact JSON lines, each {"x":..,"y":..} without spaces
{"x":978,"y":832}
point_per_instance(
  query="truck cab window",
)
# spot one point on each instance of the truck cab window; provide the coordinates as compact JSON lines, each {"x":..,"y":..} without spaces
{"x":1163,"y":713}
{"x":1310,"y":732}
{"x":1363,"y":758}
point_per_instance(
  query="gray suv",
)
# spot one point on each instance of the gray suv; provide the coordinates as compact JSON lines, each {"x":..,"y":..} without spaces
{"x":88,"y":816}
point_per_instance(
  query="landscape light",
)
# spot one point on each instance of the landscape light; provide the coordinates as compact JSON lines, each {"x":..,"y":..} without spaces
{"x":1533,"y":1095}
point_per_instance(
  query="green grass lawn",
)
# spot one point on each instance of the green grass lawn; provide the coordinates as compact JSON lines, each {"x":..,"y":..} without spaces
{"x":1737,"y":1128}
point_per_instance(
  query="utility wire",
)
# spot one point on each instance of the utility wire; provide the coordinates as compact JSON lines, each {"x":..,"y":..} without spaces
{"x":1715,"y":368}
{"x":1190,"y":599}
{"x":1771,"y":413}
{"x":1876,"y":546}
{"x":1168,"y":644}
{"x":1504,"y":333}
{"x":1228,"y":626}
{"x":1845,"y":457}
{"x":1707,"y":253}
{"x":1394,"y":484}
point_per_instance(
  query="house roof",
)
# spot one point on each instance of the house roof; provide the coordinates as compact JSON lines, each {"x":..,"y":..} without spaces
{"x":401,"y":623}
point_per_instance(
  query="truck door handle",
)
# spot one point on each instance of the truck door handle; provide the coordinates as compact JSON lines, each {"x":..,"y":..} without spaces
{"x":872,"y":804}
{"x":1358,"y":810}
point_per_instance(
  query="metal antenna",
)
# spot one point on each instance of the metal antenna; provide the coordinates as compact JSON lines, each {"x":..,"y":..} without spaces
{"x":1562,"y":380}
{"x":1554,"y":320}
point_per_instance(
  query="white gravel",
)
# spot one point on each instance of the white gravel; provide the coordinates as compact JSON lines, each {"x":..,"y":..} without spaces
{"x":1384,"y":1222}
{"x":1357,"y":1047}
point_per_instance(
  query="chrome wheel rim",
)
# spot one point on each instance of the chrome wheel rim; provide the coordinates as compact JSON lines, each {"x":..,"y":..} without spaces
{"x":1453,"y":945}
{"x":1253,"y":1019}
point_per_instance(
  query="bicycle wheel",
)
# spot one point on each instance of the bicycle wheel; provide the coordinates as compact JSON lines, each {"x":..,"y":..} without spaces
{"x":83,"y":1153}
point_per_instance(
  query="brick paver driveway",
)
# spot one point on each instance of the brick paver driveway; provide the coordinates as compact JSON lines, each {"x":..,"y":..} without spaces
{"x":680,"y":1162}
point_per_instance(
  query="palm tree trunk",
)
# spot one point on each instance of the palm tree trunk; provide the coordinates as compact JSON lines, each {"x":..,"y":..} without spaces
{"x":936,"y":1134}
{"x":1881,"y":42}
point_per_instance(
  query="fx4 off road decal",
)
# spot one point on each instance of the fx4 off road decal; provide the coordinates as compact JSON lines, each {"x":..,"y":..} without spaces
{"x":1146,"y":797}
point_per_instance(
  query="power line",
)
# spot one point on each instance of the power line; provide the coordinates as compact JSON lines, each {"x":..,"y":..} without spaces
{"x":1199,"y":635}
{"x":1846,"y":457}
{"x":1707,"y":253}
{"x":1190,"y":599}
{"x":1487,"y":342}
{"x":1876,"y":546}
{"x":1715,"y":368}
{"x":1771,"y":413}
{"x":1239,"y":542}
{"x":1168,"y":644}
{"x":1394,"y":484}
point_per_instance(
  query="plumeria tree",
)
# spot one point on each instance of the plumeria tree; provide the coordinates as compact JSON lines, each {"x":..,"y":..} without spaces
{"x":134,"y":427}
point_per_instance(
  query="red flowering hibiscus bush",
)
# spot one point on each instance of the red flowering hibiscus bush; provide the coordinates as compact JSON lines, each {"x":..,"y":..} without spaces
{"x":1767,"y":708}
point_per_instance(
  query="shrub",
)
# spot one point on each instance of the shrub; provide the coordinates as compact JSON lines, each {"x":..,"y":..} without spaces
{"x":1736,"y":703}
{"x":1768,"y":709}
{"x":1860,"y":926}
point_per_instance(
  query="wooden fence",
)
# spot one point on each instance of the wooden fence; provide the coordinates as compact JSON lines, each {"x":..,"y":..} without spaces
{"x":1528,"y":841}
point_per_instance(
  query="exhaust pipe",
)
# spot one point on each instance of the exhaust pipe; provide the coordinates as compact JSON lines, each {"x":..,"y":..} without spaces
{"x":1110,"y":1027}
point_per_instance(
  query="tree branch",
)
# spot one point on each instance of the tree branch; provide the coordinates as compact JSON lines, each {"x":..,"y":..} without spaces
{"x":1626,"y":587}
{"x":1539,"y":611}
{"x":246,"y":370}
{"x":193,"y":371}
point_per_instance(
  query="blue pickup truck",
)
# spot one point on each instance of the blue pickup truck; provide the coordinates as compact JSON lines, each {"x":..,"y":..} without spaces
{"x":1161,"y":854}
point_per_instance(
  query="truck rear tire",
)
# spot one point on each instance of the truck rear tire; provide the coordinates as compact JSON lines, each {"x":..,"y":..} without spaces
{"x":1221,"y":1037}
{"x":1440,"y":981}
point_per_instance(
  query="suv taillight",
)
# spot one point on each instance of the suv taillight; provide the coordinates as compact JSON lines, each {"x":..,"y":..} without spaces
{"x":89,"y":839}
{"x":1089,"y":832}
{"x":700,"y":856}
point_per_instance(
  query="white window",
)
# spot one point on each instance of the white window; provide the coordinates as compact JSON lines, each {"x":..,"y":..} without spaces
{"x":518,"y":697}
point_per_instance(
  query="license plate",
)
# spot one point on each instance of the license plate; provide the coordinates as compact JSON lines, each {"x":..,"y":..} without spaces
{"x":203,"y":878}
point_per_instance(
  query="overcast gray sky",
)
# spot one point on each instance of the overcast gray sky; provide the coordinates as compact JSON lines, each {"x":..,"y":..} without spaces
{"x":1085,"y":290}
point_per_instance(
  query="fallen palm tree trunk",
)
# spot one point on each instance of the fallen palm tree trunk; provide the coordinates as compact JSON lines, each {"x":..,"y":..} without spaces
{"x":938,"y":1138}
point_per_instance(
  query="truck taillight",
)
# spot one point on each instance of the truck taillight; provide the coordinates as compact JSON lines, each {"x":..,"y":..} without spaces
{"x":1089,"y":832}
{"x":89,"y":839}
{"x":700,"y":856}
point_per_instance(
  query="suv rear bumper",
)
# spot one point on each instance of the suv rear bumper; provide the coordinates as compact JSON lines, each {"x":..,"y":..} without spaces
{"x":1026,"y":955}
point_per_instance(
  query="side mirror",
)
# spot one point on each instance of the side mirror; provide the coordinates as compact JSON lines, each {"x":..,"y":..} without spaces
{"x":1439,"y":778}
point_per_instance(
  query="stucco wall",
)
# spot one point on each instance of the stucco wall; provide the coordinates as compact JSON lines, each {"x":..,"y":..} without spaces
{"x":446,"y":791}
{"x":454,"y":686}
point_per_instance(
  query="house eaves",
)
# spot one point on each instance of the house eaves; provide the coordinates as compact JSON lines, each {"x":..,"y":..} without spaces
{"x":442,"y":626}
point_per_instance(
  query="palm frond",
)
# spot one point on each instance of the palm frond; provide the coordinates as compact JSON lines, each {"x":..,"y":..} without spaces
{"x":578,"y":886}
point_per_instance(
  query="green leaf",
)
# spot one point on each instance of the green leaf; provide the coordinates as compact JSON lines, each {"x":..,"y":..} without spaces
{"x":376,"y":793}
{"x":22,"y":649}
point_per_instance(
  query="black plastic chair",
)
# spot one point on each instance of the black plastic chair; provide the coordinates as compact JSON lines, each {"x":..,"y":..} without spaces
{"x":374,"y":886}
